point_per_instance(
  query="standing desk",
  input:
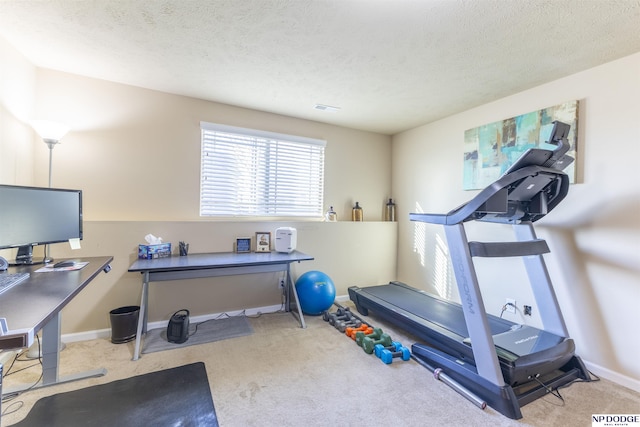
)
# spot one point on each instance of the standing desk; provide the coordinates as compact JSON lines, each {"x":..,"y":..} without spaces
{"x":194,"y":266}
{"x":35,"y":305}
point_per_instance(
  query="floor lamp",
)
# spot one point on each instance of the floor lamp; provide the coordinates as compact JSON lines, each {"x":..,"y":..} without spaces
{"x":51,"y":133}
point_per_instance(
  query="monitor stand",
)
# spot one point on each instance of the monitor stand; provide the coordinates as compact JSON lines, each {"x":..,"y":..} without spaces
{"x":25,"y":257}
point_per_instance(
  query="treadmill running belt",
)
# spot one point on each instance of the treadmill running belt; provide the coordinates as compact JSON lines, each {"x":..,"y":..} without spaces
{"x":523,"y":351}
{"x":432,"y":309}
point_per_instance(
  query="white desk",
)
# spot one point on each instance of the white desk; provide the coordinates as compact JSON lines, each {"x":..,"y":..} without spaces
{"x":195,"y":266}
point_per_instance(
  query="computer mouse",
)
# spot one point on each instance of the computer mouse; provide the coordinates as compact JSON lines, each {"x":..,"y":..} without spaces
{"x":61,"y":264}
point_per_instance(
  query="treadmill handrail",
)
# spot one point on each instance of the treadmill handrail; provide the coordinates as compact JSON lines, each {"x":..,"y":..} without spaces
{"x":505,"y":201}
{"x":500,"y":189}
{"x":508,"y":249}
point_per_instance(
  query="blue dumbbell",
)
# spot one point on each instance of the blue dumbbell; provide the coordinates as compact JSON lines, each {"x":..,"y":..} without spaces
{"x":395,"y":346}
{"x":387,"y":356}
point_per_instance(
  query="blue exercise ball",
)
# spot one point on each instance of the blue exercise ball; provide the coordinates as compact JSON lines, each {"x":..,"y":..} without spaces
{"x":316,"y":292}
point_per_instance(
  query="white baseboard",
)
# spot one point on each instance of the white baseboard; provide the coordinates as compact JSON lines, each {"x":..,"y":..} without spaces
{"x":613,"y":376}
{"x":342,"y":298}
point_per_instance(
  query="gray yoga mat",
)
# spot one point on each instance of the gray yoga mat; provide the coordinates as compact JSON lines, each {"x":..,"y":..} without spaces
{"x":207,"y":331}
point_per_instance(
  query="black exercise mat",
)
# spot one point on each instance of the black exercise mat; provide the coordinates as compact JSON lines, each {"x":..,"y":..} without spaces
{"x":172,"y":397}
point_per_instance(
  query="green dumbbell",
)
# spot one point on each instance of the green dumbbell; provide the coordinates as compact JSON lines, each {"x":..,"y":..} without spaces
{"x":360,"y":335}
{"x":369,"y":343}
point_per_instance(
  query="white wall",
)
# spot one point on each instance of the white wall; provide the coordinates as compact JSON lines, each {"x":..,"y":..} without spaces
{"x":17,"y":105}
{"x":135,"y":153}
{"x":594,"y":234}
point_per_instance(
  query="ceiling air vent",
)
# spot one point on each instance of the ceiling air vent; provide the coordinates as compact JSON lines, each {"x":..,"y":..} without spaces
{"x":329,"y":108}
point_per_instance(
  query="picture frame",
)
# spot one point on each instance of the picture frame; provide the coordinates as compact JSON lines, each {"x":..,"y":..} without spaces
{"x":242,"y":245}
{"x":263,"y":241}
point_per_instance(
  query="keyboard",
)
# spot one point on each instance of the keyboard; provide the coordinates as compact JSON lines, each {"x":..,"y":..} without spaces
{"x":9,"y":280}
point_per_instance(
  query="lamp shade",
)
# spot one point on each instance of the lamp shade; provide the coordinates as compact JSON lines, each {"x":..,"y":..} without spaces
{"x":48,"y":130}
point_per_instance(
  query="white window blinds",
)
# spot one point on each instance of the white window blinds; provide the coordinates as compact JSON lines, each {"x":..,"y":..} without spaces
{"x":248,"y":172}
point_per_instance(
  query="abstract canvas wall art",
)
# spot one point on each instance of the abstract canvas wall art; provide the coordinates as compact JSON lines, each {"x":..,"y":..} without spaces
{"x":490,"y":149}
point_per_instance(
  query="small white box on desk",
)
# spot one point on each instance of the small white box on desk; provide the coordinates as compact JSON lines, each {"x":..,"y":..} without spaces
{"x":286,"y":239}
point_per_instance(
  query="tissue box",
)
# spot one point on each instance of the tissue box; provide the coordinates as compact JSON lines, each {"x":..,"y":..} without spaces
{"x":161,"y":250}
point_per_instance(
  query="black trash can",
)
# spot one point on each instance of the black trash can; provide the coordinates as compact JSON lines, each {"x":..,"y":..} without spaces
{"x":124,"y":323}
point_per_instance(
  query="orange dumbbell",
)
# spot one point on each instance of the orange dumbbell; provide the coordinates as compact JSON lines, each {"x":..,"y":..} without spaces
{"x":354,"y":334}
{"x":366,"y":332}
{"x":353,"y":330}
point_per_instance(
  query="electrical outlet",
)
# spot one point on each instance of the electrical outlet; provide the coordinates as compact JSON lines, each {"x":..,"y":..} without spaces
{"x":510,"y":305}
{"x":281,"y":284}
{"x":527,"y":310}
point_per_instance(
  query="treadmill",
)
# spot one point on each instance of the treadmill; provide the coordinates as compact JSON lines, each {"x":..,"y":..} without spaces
{"x":506,"y":364}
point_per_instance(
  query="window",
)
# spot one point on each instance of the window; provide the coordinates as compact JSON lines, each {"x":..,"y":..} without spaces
{"x":248,"y":172}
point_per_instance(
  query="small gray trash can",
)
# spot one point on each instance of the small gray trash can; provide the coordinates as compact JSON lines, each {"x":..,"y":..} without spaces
{"x":124,"y":323}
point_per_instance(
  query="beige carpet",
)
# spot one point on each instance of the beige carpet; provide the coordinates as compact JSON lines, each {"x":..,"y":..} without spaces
{"x":283,"y":375}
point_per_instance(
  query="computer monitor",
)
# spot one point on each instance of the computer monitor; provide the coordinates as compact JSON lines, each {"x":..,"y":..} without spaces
{"x":31,"y":216}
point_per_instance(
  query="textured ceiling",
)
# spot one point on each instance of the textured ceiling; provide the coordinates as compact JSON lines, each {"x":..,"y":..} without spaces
{"x":390,"y":65}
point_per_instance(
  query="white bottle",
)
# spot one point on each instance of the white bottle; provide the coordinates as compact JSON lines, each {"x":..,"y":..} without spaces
{"x":331,"y":215}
